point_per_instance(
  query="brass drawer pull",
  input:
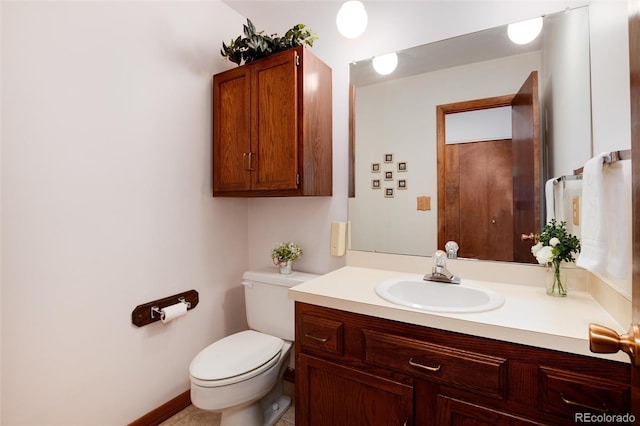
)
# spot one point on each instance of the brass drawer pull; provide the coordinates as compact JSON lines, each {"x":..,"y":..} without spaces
{"x":424,"y":367}
{"x":604,"y":408}
{"x":317,"y":339}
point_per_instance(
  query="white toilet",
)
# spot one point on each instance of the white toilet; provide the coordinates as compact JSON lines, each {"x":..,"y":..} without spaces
{"x":240,"y":376}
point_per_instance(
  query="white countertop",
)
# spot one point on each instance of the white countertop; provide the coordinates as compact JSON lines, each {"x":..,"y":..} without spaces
{"x":529,"y":316}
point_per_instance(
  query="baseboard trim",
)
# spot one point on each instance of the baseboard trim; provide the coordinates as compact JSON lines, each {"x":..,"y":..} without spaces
{"x":165,"y":411}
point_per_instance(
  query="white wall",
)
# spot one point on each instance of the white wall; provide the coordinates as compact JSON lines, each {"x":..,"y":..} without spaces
{"x":106,"y":186}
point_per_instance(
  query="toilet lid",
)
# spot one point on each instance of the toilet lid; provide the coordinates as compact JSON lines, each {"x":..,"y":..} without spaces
{"x":235,"y":355}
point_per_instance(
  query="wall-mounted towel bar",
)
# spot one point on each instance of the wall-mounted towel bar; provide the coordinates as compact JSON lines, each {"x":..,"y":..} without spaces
{"x":612,"y":157}
{"x":151,"y":312}
{"x":566,"y":178}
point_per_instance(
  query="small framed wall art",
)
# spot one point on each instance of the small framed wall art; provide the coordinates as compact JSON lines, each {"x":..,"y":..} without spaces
{"x":375,"y":167}
{"x":388,"y":158}
{"x":402,"y":166}
{"x":375,"y":184}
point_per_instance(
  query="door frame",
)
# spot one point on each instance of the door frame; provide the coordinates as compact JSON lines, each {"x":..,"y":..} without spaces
{"x":441,"y":112}
{"x":634,"y":71}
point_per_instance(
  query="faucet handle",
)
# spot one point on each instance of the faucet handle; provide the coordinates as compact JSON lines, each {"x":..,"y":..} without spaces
{"x":452,"y":249}
{"x":440,"y":259}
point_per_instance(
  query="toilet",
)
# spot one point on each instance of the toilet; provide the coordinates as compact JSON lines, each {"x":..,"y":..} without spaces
{"x":240,"y":376}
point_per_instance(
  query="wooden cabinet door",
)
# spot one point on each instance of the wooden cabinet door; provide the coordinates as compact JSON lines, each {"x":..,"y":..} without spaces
{"x":454,"y":412}
{"x":231,"y":130}
{"x":331,"y":394}
{"x":274,"y":126}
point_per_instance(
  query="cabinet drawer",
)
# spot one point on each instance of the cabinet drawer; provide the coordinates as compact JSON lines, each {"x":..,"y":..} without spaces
{"x":322,"y":334}
{"x":466,"y":370}
{"x":566,"y":393}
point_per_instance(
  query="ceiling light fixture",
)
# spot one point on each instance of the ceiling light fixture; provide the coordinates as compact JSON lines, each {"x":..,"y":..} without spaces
{"x":352,"y":19}
{"x":525,"y":31}
{"x":385,"y":64}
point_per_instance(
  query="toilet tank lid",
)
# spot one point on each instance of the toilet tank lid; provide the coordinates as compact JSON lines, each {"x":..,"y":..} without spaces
{"x":235,"y":355}
{"x":272,"y":276}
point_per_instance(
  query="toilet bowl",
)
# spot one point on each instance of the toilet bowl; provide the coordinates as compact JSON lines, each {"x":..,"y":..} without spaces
{"x":240,"y":376}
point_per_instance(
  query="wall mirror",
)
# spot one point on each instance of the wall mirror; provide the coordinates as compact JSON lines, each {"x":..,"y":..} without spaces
{"x":393,"y":205}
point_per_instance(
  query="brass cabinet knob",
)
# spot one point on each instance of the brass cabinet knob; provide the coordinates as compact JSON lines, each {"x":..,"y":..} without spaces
{"x":530,"y":236}
{"x":604,"y":340}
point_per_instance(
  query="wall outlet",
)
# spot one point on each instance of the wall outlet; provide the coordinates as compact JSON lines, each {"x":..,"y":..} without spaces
{"x":337,"y":244}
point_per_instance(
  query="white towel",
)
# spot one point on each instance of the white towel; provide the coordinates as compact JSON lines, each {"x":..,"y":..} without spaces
{"x":617,"y":184}
{"x":593,"y":255}
{"x":550,"y":198}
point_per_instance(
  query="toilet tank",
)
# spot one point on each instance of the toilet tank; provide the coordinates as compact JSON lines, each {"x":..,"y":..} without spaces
{"x":269,"y":309}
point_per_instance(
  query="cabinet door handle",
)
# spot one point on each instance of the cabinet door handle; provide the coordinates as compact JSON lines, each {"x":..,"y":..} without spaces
{"x":604,"y":408}
{"x":317,"y":339}
{"x":424,"y":367}
{"x":244,"y":162}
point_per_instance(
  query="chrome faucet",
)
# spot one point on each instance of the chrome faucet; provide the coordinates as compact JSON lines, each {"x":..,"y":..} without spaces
{"x":439,"y":273}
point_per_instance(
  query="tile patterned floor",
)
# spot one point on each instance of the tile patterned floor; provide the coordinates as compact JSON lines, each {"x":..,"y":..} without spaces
{"x":193,"y":416}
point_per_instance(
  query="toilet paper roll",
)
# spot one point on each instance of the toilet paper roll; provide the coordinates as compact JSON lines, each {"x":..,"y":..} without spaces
{"x":173,"y":311}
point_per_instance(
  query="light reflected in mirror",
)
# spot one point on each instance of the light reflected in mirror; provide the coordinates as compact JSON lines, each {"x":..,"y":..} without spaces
{"x":395,"y":205}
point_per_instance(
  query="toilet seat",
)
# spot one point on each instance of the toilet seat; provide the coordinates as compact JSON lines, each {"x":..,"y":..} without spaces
{"x":235,"y":358}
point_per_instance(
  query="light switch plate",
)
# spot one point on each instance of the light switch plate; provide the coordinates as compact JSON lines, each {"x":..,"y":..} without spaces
{"x":424,"y":203}
{"x":338,"y":238}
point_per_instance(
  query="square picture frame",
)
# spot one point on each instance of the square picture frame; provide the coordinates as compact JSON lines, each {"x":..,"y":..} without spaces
{"x":388,"y":158}
{"x":388,"y":192}
{"x":402,"y":166}
{"x":375,"y":184}
{"x":402,"y":184}
{"x":388,"y":175}
{"x":375,"y":167}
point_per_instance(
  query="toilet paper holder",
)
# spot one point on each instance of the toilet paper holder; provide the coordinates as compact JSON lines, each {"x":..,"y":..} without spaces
{"x":150,"y":312}
{"x":158,"y":311}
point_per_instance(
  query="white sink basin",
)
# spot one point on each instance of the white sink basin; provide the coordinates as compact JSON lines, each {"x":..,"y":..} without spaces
{"x":439,"y":297}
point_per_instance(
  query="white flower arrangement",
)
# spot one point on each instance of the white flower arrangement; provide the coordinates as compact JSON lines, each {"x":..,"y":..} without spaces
{"x":555,"y":245}
{"x":285,"y":252}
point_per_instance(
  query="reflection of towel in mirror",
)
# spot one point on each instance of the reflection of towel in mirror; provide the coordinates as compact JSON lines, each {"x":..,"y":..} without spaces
{"x":605,"y":222}
{"x":550,"y":198}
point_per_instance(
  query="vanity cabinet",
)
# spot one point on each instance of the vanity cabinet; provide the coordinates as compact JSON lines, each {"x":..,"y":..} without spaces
{"x":356,"y":369}
{"x":272,"y":127}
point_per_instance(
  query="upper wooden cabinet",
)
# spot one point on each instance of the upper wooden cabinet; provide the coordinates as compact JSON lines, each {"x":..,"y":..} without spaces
{"x":272,"y":127}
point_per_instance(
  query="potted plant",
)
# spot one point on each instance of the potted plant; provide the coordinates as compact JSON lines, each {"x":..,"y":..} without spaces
{"x":554,"y":246}
{"x":284,"y":254}
{"x":256,"y":45}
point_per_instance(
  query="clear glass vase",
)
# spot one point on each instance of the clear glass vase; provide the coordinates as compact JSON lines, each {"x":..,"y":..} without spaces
{"x":556,"y":280}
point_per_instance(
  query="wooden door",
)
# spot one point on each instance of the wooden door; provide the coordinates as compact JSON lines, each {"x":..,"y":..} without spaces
{"x":274,"y":130}
{"x":525,"y":130}
{"x":231,"y":130}
{"x":479,"y":199}
{"x":340,"y":396}
{"x":475,"y":189}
